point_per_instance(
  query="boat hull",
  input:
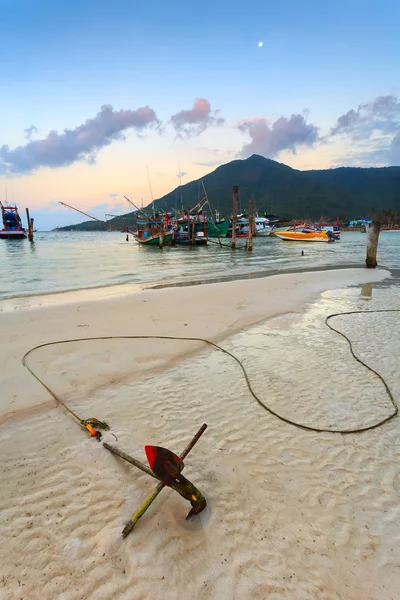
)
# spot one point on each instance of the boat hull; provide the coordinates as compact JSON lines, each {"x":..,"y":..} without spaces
{"x":155,"y":240}
{"x":217,"y":229}
{"x":264,"y":232}
{"x":12,"y":235}
{"x":294,"y":236}
{"x":187,"y":241}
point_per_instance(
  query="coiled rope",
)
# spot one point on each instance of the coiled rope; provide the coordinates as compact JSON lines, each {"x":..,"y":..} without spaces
{"x":83,"y":422}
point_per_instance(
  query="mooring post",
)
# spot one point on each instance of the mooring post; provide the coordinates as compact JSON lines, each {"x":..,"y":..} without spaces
{"x":235,"y":200}
{"x":30,"y":226}
{"x":193,"y":231}
{"x":373,"y":230}
{"x":161,"y":236}
{"x":251,"y":226}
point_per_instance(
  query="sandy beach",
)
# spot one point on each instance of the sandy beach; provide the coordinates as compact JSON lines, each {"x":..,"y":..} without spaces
{"x":291,"y":514}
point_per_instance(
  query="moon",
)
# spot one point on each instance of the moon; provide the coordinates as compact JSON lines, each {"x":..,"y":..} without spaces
{"x":260,"y":44}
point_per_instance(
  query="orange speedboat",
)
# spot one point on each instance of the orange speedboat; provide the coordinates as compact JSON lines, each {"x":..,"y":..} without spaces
{"x":305,"y":236}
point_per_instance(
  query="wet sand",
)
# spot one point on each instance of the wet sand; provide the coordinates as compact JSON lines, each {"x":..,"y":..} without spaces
{"x":291,"y":514}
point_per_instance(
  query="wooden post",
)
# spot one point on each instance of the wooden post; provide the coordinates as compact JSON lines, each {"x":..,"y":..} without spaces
{"x":161,"y":236}
{"x":251,"y":231}
{"x":373,"y":230}
{"x":30,"y":226}
{"x":252,"y":213}
{"x":235,"y":199}
{"x":193,"y":231}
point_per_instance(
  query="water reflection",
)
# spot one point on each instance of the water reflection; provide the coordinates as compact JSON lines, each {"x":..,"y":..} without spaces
{"x":366,"y":291}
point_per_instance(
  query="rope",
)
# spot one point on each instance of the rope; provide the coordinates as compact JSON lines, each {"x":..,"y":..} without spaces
{"x":247,"y":379}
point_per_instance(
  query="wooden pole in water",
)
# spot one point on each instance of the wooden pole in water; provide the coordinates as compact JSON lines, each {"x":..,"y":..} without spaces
{"x":235,"y":199}
{"x":373,"y":230}
{"x":30,"y":226}
{"x":193,"y":230}
{"x":251,"y":229}
{"x":161,"y":238}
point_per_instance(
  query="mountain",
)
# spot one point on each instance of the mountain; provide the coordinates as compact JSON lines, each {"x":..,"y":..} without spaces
{"x":349,"y":192}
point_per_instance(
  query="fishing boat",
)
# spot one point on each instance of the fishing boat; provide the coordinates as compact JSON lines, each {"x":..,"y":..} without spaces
{"x":333,"y":227}
{"x":217,"y":228}
{"x":306,"y":236}
{"x":263,"y":228}
{"x":12,"y":224}
{"x":190,"y":230}
{"x":153,"y":233}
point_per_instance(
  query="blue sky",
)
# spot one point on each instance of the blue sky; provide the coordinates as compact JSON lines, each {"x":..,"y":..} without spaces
{"x":61,"y":62}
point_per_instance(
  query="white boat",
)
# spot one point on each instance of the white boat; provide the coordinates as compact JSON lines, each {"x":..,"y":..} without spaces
{"x":262,"y":226}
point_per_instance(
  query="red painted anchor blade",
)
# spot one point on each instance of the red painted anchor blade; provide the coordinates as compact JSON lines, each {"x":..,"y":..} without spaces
{"x":164,"y":463}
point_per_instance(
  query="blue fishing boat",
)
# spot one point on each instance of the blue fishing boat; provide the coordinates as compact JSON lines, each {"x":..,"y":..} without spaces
{"x":12,"y":224}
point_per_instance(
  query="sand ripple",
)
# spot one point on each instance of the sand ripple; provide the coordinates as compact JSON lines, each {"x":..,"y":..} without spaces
{"x":291,"y":514}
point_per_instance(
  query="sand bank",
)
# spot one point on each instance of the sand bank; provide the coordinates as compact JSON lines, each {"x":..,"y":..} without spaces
{"x":290,"y":514}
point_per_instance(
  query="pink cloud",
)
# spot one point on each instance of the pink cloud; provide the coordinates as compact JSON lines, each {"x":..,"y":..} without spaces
{"x":286,"y":133}
{"x":79,"y":144}
{"x":195,"y":120}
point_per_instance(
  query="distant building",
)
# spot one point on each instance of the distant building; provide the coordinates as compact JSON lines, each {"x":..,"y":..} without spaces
{"x":359,"y":223}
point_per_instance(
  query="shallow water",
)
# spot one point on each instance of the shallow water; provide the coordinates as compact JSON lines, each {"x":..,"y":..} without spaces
{"x":59,"y":261}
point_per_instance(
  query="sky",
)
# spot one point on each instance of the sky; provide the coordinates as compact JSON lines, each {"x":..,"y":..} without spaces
{"x":99,"y":98}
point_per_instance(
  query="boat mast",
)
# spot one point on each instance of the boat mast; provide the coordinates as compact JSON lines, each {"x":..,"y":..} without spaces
{"x":137,"y":208}
{"x":180,"y":184}
{"x":151,"y":191}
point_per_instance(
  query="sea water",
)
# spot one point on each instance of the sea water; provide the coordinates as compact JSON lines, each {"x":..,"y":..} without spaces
{"x":60,"y":261}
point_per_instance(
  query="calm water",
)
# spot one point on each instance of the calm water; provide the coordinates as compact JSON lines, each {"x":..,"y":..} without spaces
{"x":70,"y":260}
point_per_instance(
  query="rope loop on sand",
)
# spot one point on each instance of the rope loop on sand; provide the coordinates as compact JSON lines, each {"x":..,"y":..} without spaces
{"x":83,"y":422}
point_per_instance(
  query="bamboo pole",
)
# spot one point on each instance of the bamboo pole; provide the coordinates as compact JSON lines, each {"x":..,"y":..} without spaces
{"x":235,"y":198}
{"x":129,"y":459}
{"x":137,"y":208}
{"x":211,"y":216}
{"x":94,"y":218}
{"x":220,"y":244}
{"x":373,"y":230}
{"x":30,"y":226}
{"x":153,"y":495}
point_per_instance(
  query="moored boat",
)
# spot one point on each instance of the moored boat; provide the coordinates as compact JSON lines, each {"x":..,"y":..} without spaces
{"x":190,"y":230}
{"x":306,"y":236}
{"x":217,"y":228}
{"x":153,"y":233}
{"x":333,"y":227}
{"x":262,"y":226}
{"x":12,"y":224}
